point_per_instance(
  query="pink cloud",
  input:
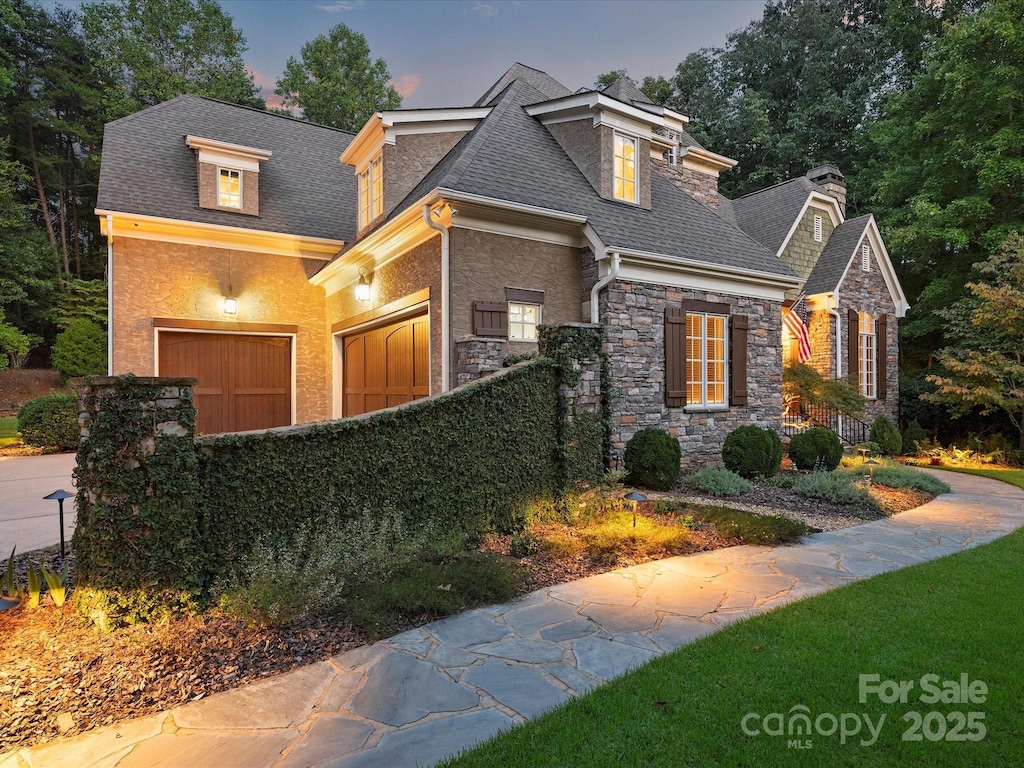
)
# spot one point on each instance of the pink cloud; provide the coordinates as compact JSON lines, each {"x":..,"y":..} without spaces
{"x":266,"y":91}
{"x":406,"y":85}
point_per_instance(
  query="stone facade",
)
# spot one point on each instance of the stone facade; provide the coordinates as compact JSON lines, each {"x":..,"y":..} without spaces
{"x":821,"y":330}
{"x":418,"y":269}
{"x":703,"y":187}
{"x":478,"y":356}
{"x":158,"y":279}
{"x":867,"y":292}
{"x":634,"y":318}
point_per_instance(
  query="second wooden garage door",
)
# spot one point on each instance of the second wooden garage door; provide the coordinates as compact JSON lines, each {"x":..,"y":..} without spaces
{"x":244,"y":381}
{"x":387,"y":366}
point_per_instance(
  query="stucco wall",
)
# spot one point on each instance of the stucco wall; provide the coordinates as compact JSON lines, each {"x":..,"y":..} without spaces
{"x":593,"y":151}
{"x":418,"y":269}
{"x":867,"y":292}
{"x":208,"y":192}
{"x":409,"y":159}
{"x":483,"y":265}
{"x":156,"y":279}
{"x":634,"y":318}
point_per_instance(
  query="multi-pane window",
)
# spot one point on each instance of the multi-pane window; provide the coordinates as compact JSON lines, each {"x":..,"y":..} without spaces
{"x":370,"y":184}
{"x":817,"y":229}
{"x":624,"y":176}
{"x":867,"y":346}
{"x":523,"y":320}
{"x":229,"y":188}
{"x":705,"y":359}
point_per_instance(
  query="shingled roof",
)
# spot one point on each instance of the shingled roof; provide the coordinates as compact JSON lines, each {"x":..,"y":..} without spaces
{"x":626,"y":90}
{"x":512,"y":156}
{"x":541,"y":81}
{"x":839,"y":250}
{"x":148,"y":169}
{"x":768,"y":214}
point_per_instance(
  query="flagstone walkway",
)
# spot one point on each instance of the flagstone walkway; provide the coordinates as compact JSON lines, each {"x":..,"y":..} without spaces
{"x":433,"y":691}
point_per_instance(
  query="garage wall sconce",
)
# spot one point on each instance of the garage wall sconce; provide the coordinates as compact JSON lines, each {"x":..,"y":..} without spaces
{"x":230,"y":303}
{"x":363,"y":286}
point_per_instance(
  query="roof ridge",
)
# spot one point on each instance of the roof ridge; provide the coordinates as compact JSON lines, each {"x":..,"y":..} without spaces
{"x":774,"y":186}
{"x":482,"y":131}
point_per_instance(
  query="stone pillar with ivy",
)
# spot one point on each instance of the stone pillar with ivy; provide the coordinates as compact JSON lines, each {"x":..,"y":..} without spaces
{"x":138,"y":552}
{"x":583,"y":388}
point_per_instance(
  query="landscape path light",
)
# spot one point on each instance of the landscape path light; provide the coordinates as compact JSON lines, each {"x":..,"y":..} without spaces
{"x":636,"y":497}
{"x":60,"y":494}
{"x":871,"y":471}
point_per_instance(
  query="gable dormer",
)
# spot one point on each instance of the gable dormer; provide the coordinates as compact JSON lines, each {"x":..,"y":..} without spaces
{"x":608,"y":140}
{"x":228,"y":174}
{"x":396,"y":149}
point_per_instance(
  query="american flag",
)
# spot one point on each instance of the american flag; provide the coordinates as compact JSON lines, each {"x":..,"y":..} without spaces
{"x":796,"y":321}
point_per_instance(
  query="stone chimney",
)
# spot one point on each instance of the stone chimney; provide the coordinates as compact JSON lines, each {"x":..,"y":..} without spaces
{"x":695,"y":171}
{"x":831,"y":180}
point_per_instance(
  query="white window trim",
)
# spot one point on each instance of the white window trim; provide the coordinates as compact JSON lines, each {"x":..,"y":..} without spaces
{"x":865,"y":258}
{"x":241,"y":176}
{"x":636,"y":167}
{"x":540,"y":319}
{"x":368,"y":205}
{"x":867,"y":353}
{"x":704,"y":405}
{"x":817,"y":229}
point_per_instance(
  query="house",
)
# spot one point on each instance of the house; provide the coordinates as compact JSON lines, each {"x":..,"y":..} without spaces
{"x":304,"y":273}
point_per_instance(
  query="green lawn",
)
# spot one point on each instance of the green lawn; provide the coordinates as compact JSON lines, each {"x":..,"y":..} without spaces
{"x":957,"y":615}
{"x":8,"y":430}
{"x":1011,"y":476}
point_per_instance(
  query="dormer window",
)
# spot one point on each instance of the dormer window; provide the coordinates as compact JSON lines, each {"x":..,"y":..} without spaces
{"x":624,"y":182}
{"x":229,"y":188}
{"x":228,"y":175}
{"x":371,"y":191}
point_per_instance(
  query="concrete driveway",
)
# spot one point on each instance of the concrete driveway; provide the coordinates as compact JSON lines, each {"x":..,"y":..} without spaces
{"x":26,"y":520}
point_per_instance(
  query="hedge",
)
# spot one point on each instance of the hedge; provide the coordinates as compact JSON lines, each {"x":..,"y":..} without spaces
{"x":50,"y":421}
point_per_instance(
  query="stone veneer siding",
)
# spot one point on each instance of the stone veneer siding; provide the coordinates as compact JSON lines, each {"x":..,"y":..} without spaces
{"x":418,"y":269}
{"x":478,"y":356}
{"x":158,"y":279}
{"x":634,"y":318}
{"x":867,"y":292}
{"x":703,"y":187}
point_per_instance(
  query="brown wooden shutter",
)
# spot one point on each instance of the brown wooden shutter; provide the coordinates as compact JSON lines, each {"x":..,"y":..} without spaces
{"x":881,"y":353}
{"x":490,"y":318}
{"x":738,"y":360}
{"x":675,"y":357}
{"x":852,"y":345}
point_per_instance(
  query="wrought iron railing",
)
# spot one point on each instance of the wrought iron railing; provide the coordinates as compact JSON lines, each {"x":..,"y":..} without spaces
{"x":851,"y":430}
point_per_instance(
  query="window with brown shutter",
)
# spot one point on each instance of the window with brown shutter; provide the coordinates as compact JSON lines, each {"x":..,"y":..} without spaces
{"x":675,"y":357}
{"x":705,"y":355}
{"x":738,"y":350}
{"x":490,"y":318}
{"x":881,"y":350}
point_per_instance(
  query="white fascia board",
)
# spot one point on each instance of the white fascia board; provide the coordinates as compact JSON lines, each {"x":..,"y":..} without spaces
{"x":696,"y":281}
{"x":467,"y":197}
{"x":583,"y":104}
{"x":601,"y":251}
{"x":513,"y":229}
{"x":707,"y":158}
{"x":885,"y":266}
{"x":766,"y":282}
{"x":158,"y":228}
{"x":366,"y":142}
{"x":422,"y":121}
{"x":227,"y":153}
{"x":829,"y":203}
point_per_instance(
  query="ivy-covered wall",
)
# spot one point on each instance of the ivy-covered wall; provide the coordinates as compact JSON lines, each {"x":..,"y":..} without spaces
{"x":162,"y":515}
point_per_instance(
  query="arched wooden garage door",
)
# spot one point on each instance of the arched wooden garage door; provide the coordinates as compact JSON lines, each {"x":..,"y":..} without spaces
{"x":244,"y":381}
{"x":386,"y":366}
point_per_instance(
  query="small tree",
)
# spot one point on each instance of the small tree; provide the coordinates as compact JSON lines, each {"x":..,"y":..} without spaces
{"x":984,"y":364}
{"x":802,"y":383}
{"x":14,"y":345}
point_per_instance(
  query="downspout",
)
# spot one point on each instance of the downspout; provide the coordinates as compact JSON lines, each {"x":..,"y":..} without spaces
{"x":445,"y":288}
{"x":110,"y":294}
{"x":613,"y":272}
{"x":833,"y":303}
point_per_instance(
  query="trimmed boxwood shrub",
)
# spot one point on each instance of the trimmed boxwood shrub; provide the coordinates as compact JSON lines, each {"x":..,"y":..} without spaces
{"x":81,"y":350}
{"x":751,"y":451}
{"x":652,"y":459}
{"x":50,"y":422}
{"x":816,"y":448}
{"x":886,"y":435}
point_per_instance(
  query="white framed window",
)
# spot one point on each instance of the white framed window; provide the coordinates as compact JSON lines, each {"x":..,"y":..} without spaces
{"x":706,"y":367}
{"x":867,"y":347}
{"x":865,"y":258}
{"x":817,"y":229}
{"x":370,"y":186}
{"x":523,"y":320}
{"x":672,"y":155}
{"x":624,"y":177}
{"x":229,"y":188}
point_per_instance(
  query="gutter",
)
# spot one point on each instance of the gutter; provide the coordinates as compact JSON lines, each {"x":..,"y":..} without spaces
{"x":428,"y":219}
{"x":110,"y":294}
{"x":613,"y":272}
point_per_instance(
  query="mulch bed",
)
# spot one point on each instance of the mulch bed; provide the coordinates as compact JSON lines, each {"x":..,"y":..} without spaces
{"x":60,"y":677}
{"x":19,"y":385}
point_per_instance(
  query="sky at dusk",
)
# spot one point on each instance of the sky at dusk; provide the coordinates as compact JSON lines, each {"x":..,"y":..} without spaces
{"x":447,"y":53}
